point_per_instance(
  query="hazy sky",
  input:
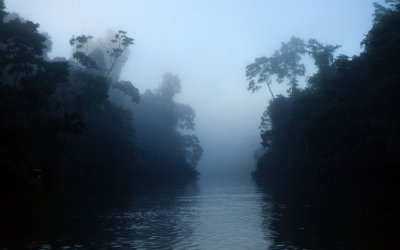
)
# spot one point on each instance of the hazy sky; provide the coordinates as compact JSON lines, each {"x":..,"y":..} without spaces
{"x":207,"y":43}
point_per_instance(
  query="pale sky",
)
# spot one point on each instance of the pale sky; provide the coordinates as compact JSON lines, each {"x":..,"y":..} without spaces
{"x":208,"y":44}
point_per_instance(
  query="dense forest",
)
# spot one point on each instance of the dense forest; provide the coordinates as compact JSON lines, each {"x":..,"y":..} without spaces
{"x":343,"y":127}
{"x":73,"y":125}
{"x":89,"y":161}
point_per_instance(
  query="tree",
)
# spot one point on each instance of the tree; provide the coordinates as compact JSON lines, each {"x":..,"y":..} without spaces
{"x":80,"y":44}
{"x":322,"y":54}
{"x":128,"y":89}
{"x":22,"y":48}
{"x":2,"y":12}
{"x":343,"y":127}
{"x":163,"y":127}
{"x":185,"y":116}
{"x":116,"y":48}
{"x":170,"y":86}
{"x":193,"y":150}
{"x":285,"y":64}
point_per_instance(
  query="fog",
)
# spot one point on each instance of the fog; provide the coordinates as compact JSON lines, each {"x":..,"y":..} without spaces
{"x":207,"y":44}
{"x":154,"y":124}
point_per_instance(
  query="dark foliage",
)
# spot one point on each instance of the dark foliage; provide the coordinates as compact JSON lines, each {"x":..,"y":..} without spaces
{"x":332,"y":151}
{"x":344,"y":127}
{"x":62,"y":129}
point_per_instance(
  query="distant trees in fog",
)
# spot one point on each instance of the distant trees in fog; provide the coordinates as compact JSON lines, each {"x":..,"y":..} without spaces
{"x":77,"y":123}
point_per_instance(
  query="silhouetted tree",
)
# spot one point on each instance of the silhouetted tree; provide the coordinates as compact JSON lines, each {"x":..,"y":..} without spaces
{"x":284,"y":63}
{"x":342,"y":126}
{"x":116,"y":49}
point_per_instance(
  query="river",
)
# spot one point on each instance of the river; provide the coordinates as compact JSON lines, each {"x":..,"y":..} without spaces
{"x":202,"y":215}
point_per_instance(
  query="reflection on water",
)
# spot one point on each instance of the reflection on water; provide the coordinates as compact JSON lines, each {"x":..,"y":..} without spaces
{"x":317,"y":217}
{"x":199,"y":216}
{"x":205,"y":216}
{"x":230,"y":217}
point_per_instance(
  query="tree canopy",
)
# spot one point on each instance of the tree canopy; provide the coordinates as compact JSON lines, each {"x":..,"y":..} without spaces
{"x":76,"y":123}
{"x":342,"y":126}
{"x":286,"y":64}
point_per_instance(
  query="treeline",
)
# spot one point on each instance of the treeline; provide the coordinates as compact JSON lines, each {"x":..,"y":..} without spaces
{"x":71,"y":123}
{"x":344,"y":126}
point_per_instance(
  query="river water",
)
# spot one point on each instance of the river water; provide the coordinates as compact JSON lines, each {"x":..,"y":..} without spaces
{"x":197,"y":216}
{"x":202,"y":215}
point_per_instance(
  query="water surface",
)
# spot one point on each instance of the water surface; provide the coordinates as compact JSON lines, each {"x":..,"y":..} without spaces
{"x":210,"y":215}
{"x":197,"y":216}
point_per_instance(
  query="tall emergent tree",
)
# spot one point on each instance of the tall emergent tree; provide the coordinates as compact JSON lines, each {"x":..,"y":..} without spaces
{"x":285,"y":63}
